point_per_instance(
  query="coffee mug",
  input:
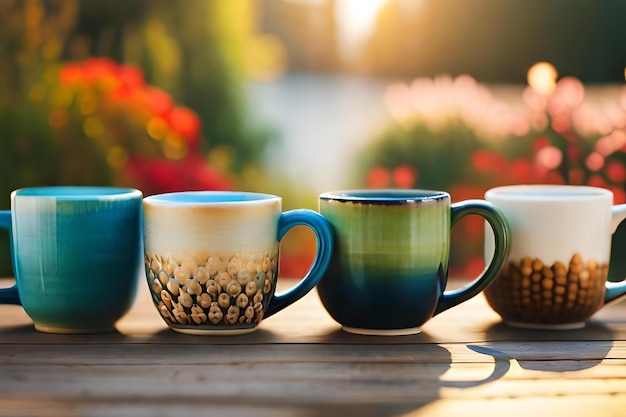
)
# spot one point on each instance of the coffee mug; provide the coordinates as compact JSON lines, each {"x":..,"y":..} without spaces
{"x":555,"y":276}
{"x":76,"y":254}
{"x":389,"y":270}
{"x":211,"y":258}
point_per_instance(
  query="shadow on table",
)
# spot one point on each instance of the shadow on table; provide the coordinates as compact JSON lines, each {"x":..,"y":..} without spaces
{"x":259,"y":336}
{"x":389,"y":386}
{"x":338,"y":336}
{"x":561,"y":350}
{"x":28,"y":334}
{"x":388,"y":375}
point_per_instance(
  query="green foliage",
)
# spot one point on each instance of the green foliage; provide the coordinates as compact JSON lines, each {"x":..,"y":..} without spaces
{"x":440,"y":158}
{"x":462,"y":149}
{"x":31,"y":36}
{"x":497,"y":41}
{"x":192,"y":49}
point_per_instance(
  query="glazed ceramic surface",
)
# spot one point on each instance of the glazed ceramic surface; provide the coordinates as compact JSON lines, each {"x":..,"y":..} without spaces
{"x":76,"y":255}
{"x":556,"y":273}
{"x":212,"y":258}
{"x":389,"y":270}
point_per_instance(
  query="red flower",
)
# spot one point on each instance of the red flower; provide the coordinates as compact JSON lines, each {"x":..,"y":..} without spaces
{"x":161,"y":175}
{"x":597,"y":181}
{"x":553,"y":177}
{"x":461,"y":191}
{"x":128,"y":85}
{"x":475,"y":226}
{"x":521,"y":170}
{"x":573,"y":153}
{"x":157,"y":100}
{"x":97,"y":68}
{"x":474,"y":267}
{"x":576,"y":176}
{"x":619,"y":196}
{"x":186,"y":122}
{"x":616,"y":172}
{"x":71,"y":74}
{"x":404,"y":176}
{"x":296,"y":265}
{"x":122,"y":91}
{"x":131,"y":77}
{"x":378,"y":177}
{"x":540,"y":143}
{"x":484,"y":161}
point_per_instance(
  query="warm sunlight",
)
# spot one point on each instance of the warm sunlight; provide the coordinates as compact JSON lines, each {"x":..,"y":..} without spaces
{"x":356,"y":19}
{"x":542,"y":77}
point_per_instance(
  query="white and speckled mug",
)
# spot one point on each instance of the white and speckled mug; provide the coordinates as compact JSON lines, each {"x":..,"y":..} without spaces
{"x":211,"y":258}
{"x":556,"y":273}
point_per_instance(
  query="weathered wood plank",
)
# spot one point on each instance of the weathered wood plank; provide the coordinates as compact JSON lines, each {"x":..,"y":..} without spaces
{"x":472,"y":321}
{"x":208,"y":353}
{"x":589,"y":405}
{"x":296,"y":383}
{"x":307,"y":322}
{"x":299,"y":363}
{"x":148,"y":354}
{"x":592,"y":405}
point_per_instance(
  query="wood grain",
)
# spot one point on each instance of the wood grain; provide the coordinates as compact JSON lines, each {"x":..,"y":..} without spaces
{"x":299,"y":363}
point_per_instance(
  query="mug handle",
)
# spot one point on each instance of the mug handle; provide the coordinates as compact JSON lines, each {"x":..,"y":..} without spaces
{"x":502,"y":235}
{"x":615,"y":290}
{"x":8,"y":295}
{"x":324,"y":235}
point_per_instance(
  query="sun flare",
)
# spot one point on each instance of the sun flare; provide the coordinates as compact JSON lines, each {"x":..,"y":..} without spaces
{"x":542,"y":77}
{"x":356,"y":21}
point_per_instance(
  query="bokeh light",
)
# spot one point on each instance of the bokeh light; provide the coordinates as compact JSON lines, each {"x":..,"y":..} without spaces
{"x":549,"y":157}
{"x":404,"y":176}
{"x":542,"y":77}
{"x":378,"y":177}
{"x":594,"y":161}
{"x":265,"y":57}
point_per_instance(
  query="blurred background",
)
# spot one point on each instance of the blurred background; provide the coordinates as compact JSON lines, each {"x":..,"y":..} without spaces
{"x":296,"y":97}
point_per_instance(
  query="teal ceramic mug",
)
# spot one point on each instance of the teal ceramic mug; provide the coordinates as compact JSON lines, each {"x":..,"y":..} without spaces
{"x":211,"y":258}
{"x":76,"y":254}
{"x":389,"y":270}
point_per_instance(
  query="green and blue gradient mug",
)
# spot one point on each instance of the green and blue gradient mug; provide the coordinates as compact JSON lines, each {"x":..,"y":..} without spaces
{"x":76,"y":254}
{"x":212,"y":257}
{"x":389,"y":270}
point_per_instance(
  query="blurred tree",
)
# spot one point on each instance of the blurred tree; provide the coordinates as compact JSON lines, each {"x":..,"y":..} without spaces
{"x":100,"y":27}
{"x":49,"y":132}
{"x":497,"y":41}
{"x":32,"y":34}
{"x":193,"y":49}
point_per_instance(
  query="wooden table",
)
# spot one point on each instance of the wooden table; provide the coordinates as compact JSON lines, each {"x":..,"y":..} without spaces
{"x":299,"y":363}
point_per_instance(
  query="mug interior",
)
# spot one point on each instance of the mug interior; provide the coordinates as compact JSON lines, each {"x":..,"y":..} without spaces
{"x":75,"y":192}
{"x":548,"y":192}
{"x":384,"y":196}
{"x":208,"y":197}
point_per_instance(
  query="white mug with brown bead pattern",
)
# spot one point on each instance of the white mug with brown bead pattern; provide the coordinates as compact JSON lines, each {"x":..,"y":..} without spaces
{"x":556,"y":273}
{"x":211,"y":258}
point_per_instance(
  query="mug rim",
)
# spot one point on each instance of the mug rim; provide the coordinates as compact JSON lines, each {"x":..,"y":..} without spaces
{"x":548,"y":192}
{"x":77,"y":192}
{"x":209,"y":197}
{"x":385,"y":196}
